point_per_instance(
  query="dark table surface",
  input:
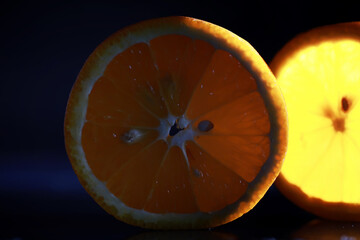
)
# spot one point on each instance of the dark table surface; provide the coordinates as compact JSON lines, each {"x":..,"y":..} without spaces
{"x":43,"y":45}
{"x":41,"y":198}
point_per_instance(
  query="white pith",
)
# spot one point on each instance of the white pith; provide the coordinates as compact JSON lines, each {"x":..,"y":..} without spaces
{"x":181,"y":137}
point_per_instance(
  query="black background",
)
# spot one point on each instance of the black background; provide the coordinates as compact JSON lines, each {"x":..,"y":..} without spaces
{"x":42,"y":48}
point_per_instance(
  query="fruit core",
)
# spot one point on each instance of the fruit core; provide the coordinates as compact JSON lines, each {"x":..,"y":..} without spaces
{"x":339,"y":123}
{"x":175,"y":129}
{"x":338,"y":120}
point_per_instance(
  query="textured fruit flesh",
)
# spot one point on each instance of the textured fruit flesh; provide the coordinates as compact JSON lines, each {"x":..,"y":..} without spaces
{"x":321,"y":83}
{"x":173,"y":77}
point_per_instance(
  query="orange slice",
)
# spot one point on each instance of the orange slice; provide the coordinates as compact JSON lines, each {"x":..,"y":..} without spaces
{"x":319,"y":74}
{"x":176,"y":123}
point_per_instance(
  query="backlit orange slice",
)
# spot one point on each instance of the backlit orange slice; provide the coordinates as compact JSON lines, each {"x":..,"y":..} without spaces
{"x":319,"y":74}
{"x":176,"y":123}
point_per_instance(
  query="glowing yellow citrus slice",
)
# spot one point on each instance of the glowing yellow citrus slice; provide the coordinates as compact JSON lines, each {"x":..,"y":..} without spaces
{"x":319,"y":74}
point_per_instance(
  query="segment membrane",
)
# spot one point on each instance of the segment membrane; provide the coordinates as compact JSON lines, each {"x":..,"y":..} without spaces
{"x":224,"y":80}
{"x":181,"y":62}
{"x":245,"y":155}
{"x":132,"y":182}
{"x":215,"y":186}
{"x":106,"y":151}
{"x":133,"y":73}
{"x":172,"y":191}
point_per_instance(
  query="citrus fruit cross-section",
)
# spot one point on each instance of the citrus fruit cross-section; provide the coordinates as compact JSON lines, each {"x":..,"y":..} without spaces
{"x":176,"y":123}
{"x":319,"y":74}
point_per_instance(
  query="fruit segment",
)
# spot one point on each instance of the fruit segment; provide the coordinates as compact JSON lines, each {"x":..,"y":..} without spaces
{"x":224,"y":80}
{"x":351,"y":171}
{"x":108,"y":147}
{"x":181,"y":62}
{"x":245,"y":155}
{"x":215,"y":186}
{"x":133,"y":73}
{"x":106,"y":106}
{"x":244,"y":116}
{"x":172,"y":191}
{"x":132,"y":182}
